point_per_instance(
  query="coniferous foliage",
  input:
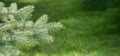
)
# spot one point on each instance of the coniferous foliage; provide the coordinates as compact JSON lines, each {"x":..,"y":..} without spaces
{"x":17,"y":29}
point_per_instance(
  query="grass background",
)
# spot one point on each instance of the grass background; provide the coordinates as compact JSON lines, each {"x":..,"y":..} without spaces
{"x":91,"y":27}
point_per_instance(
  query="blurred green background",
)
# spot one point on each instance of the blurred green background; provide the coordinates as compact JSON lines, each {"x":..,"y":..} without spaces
{"x":91,"y":27}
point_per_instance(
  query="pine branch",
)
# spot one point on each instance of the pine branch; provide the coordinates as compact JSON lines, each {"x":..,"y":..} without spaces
{"x":16,"y":30}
